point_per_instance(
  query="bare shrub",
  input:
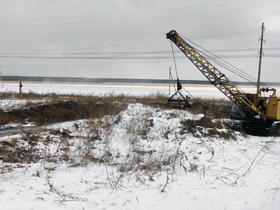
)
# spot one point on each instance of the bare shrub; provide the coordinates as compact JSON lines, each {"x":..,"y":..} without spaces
{"x":193,"y":167}
{"x":213,"y":108}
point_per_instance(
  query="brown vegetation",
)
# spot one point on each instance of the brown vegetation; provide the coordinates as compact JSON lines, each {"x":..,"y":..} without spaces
{"x":59,"y":108}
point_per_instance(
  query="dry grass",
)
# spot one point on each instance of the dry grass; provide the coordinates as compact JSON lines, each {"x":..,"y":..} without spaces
{"x":58,"y":108}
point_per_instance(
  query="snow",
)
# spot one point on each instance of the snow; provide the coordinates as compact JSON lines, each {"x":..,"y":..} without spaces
{"x":144,"y":159}
{"x":10,"y":104}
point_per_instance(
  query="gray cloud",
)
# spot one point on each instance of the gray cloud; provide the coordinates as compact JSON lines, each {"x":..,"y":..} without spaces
{"x":55,"y":28}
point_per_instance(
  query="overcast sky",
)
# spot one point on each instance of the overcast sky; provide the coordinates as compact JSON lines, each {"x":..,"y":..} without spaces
{"x":127,"y":38}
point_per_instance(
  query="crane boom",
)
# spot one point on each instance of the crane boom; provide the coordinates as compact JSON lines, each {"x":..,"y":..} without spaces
{"x":213,"y":74}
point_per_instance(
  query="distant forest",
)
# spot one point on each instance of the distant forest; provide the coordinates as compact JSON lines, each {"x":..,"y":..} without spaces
{"x":112,"y":80}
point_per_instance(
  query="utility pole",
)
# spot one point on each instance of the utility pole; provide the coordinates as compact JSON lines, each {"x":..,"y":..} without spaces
{"x":169,"y":78}
{"x":260,"y":58}
{"x":20,"y":86}
{"x":1,"y":78}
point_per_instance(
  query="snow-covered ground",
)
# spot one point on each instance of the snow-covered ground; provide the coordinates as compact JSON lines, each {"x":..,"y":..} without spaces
{"x":144,"y":158}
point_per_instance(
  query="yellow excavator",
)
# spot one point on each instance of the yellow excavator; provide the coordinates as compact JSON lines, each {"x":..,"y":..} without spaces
{"x":254,"y":111}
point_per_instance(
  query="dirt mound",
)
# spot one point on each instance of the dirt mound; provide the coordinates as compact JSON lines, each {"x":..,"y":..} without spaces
{"x":206,"y":127}
{"x":59,"y":112}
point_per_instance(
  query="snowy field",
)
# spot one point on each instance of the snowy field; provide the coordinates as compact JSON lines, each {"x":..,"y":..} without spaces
{"x":144,"y":158}
{"x":203,"y":91}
